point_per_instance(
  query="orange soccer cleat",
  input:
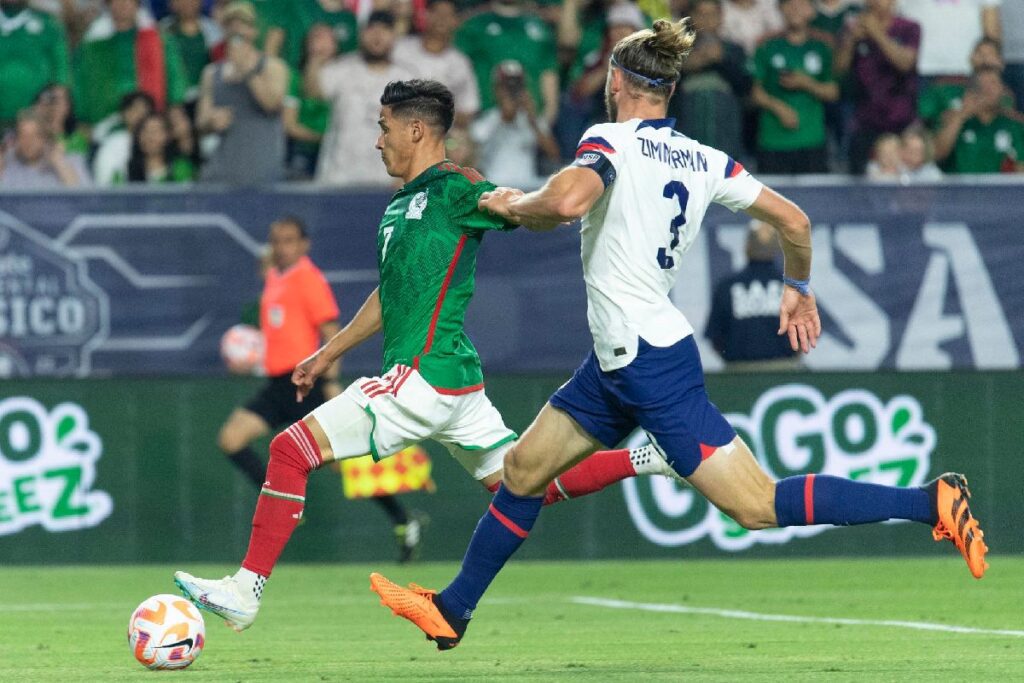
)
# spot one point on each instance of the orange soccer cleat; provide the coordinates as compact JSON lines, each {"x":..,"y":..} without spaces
{"x":950,"y":494}
{"x":418,"y":605}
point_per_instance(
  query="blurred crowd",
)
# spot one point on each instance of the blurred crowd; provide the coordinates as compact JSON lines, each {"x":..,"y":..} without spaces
{"x":107,"y":92}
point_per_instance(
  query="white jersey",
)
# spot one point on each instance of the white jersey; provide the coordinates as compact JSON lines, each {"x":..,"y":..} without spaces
{"x":659,"y":186}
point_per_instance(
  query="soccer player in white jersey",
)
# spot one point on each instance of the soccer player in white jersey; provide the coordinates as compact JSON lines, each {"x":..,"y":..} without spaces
{"x":642,"y":190}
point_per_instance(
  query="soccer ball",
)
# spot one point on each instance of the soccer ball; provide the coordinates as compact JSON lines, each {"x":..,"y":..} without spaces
{"x":166,"y":632}
{"x":242,"y":348}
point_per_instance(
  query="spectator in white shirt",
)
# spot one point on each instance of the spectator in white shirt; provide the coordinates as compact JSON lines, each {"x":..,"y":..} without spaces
{"x":431,"y":56}
{"x":950,"y":30}
{"x":510,"y":136}
{"x":353,"y":85}
{"x":746,"y":22}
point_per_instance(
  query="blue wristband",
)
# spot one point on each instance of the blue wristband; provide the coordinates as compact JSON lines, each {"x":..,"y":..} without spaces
{"x":802,"y":286}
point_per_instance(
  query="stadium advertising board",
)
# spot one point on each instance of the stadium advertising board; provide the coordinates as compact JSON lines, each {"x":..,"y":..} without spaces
{"x":168,"y":495}
{"x":48,"y":461}
{"x":794,"y":429}
{"x":908,"y":278}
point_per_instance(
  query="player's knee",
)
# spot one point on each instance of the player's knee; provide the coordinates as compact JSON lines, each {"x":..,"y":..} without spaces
{"x":520,"y":479}
{"x":294,"y":447}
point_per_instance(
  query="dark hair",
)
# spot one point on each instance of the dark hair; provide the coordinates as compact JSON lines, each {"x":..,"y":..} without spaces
{"x":295,"y":221}
{"x":71,"y":122}
{"x":132,"y":97}
{"x":428,"y":101}
{"x":381,"y":16}
{"x":137,"y":161}
{"x":431,"y":3}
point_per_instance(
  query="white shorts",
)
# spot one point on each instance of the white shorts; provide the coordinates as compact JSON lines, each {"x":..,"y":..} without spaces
{"x":402,"y":410}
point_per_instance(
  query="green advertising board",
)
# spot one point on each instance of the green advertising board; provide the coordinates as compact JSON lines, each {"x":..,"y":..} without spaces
{"x":127,"y":470}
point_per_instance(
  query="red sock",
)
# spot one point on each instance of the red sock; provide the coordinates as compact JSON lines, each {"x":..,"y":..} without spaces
{"x":593,"y":474}
{"x":293,"y":455}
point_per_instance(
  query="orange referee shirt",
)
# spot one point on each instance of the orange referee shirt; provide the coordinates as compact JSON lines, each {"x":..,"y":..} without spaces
{"x":295,"y":303}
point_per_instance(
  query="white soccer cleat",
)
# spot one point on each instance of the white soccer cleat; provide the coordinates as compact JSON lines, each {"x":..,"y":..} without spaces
{"x":223,"y":597}
{"x":649,"y":459}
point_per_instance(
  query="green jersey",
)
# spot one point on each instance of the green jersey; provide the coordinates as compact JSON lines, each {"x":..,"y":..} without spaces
{"x":33,"y":54}
{"x":988,"y":148}
{"x":775,"y":57}
{"x":426,"y":254}
{"x":942,"y":97}
{"x":489,"y":39}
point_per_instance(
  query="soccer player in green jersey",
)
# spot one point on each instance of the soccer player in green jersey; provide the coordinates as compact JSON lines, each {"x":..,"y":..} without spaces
{"x":431,"y":386}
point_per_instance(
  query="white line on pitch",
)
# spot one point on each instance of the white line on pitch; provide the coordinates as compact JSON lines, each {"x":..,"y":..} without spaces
{"x":791,"y":618}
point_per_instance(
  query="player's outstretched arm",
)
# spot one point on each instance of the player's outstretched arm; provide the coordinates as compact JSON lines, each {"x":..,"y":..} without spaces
{"x":566,"y":196}
{"x":365,"y":324}
{"x":798,"y":310}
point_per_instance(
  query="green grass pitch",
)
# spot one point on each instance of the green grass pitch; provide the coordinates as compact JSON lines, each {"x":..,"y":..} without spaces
{"x":321,"y":623}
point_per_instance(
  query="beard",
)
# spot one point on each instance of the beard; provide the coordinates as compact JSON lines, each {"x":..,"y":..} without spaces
{"x":373,"y":58}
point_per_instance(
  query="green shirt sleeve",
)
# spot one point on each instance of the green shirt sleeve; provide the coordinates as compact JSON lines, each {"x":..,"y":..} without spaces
{"x":466,"y":213}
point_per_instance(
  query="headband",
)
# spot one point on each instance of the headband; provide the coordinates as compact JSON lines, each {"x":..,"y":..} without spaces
{"x":652,"y":82}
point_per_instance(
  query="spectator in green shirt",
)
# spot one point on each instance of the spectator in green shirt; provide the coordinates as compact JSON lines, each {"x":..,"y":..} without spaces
{"x":130,"y":55}
{"x":947,"y":94}
{"x":295,"y":18}
{"x":507,"y":31}
{"x":793,"y":80}
{"x":196,"y":36}
{"x":979,"y":137}
{"x":306,"y":116}
{"x":33,"y":53}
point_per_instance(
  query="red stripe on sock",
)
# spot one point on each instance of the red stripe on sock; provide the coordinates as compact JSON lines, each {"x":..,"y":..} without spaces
{"x":809,"y":498}
{"x":508,"y":523}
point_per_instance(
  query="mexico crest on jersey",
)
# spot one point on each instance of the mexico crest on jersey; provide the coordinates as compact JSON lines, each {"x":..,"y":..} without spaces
{"x":417,"y":206}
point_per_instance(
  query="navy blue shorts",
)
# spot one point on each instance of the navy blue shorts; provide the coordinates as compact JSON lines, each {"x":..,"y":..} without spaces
{"x":661,"y":391}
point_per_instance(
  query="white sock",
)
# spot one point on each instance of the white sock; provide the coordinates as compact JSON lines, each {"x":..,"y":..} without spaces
{"x":645,"y":460}
{"x":251,"y":583}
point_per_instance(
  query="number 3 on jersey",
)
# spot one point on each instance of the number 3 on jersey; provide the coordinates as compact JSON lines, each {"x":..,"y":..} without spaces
{"x":677,"y":190}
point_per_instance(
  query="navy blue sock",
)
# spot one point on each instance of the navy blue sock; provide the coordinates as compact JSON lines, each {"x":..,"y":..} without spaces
{"x":500,"y":532}
{"x":822,"y":499}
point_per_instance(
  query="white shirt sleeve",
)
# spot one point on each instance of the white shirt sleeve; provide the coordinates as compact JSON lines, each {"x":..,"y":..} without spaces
{"x":731,"y":185}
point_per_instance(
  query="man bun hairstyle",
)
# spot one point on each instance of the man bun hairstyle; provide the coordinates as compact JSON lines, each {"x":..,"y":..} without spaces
{"x":652,"y":59}
{"x":428,"y":101}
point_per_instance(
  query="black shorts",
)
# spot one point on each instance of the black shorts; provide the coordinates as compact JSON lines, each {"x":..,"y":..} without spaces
{"x":276,"y":403}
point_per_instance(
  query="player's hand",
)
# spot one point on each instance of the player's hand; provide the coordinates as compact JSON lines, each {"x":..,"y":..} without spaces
{"x":499,"y":201}
{"x":305,"y":374}
{"x":798,"y":317}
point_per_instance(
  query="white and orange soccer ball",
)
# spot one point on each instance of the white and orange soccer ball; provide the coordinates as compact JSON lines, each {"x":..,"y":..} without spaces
{"x":166,"y":632}
{"x":242,"y":348}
